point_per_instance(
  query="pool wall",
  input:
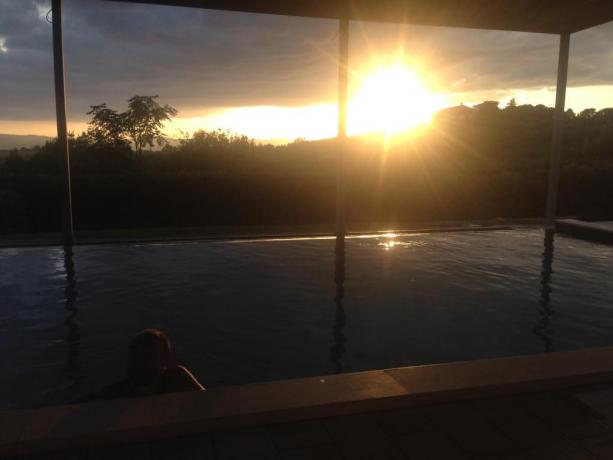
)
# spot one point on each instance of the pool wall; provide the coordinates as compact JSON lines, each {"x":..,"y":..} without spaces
{"x":115,"y":422}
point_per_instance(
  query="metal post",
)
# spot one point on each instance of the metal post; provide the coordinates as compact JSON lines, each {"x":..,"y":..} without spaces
{"x":343,"y":72}
{"x":557,"y":132}
{"x":340,"y":320}
{"x":62,"y":130}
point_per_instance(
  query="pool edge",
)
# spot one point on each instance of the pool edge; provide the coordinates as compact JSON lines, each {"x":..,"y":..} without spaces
{"x":107,"y":423}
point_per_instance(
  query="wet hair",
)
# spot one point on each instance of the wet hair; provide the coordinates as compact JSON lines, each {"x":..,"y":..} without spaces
{"x":151,"y":341}
{"x":149,"y":355}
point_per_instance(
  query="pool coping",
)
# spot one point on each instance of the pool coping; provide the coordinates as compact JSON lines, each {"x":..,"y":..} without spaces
{"x":84,"y":238}
{"x":598,"y":231}
{"x":105,"y":423}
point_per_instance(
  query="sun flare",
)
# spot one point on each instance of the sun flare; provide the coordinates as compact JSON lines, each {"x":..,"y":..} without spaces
{"x":391,"y":100}
{"x":388,"y":98}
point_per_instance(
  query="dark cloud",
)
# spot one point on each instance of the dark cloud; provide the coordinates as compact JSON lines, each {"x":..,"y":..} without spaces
{"x":190,"y":57}
{"x":196,"y":58}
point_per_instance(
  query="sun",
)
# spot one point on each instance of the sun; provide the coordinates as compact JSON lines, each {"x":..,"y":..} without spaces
{"x":389,"y":96}
{"x":391,"y":100}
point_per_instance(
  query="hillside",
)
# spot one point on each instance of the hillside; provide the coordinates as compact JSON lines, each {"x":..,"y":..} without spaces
{"x":16,"y":141}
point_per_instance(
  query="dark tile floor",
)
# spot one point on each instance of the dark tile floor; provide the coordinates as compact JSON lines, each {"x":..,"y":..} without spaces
{"x":551,"y":425}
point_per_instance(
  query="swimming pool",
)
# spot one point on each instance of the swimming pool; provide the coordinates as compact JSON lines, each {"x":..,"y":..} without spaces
{"x":249,"y":311}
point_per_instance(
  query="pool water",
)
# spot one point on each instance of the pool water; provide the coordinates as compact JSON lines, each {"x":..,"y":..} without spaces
{"x":251,"y":311}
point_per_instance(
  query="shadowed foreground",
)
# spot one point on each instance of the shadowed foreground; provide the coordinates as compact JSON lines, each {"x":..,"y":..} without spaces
{"x":548,"y":406}
{"x":546,"y":425}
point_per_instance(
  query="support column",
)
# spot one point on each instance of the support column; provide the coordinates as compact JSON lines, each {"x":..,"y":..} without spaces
{"x":62,"y":130}
{"x":557,"y":132}
{"x":343,"y":73}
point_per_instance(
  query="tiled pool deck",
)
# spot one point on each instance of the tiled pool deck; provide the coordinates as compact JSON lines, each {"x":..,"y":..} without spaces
{"x":557,"y":405}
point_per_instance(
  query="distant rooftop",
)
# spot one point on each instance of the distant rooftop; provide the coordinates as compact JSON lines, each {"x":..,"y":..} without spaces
{"x":543,"y":16}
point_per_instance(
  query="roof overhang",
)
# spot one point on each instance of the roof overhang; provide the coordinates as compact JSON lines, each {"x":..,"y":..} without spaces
{"x":540,"y":16}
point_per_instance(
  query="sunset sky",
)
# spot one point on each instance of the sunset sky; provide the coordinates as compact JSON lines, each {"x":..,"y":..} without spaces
{"x":274,"y":77}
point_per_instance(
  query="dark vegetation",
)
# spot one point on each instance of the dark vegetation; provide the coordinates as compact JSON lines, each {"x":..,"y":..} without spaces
{"x":471,"y":163}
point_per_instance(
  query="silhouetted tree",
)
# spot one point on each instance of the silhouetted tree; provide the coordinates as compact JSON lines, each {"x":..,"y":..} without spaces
{"x":472,"y":162}
{"x":144,"y":119}
{"x":14,"y":163}
{"x":107,"y":126}
{"x":141,"y":123}
{"x":486,"y":108}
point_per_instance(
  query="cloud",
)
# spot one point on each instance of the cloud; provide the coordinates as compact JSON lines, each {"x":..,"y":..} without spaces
{"x":43,"y":9}
{"x":196,"y":59}
{"x":190,"y":57}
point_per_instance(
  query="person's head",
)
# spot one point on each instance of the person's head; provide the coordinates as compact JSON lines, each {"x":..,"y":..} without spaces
{"x":149,"y":358}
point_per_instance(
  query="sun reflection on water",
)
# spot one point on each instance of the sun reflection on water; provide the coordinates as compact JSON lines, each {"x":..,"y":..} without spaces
{"x":391,"y":244}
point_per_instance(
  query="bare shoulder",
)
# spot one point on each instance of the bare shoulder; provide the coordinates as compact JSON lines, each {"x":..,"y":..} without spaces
{"x":187,"y":374}
{"x":179,"y":378}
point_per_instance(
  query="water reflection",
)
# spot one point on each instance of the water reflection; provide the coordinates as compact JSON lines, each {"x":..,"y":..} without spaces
{"x":338,"y":350}
{"x":545,"y":310}
{"x":72,"y":369}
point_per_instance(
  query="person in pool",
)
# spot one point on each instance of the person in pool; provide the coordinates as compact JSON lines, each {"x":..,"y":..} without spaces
{"x":149,"y":370}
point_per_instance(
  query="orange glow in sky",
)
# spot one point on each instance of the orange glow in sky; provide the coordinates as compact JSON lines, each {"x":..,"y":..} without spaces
{"x":385,"y":100}
{"x":386,"y":97}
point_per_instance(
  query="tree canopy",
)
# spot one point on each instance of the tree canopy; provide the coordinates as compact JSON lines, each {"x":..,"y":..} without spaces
{"x":470,"y":163}
{"x":141,"y":124}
